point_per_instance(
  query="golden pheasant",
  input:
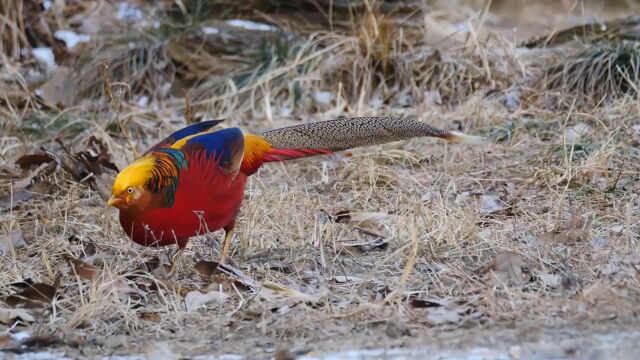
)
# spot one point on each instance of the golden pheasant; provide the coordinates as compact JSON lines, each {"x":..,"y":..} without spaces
{"x":193,"y":181}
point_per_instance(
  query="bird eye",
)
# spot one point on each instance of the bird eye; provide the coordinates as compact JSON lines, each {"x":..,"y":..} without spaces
{"x":130,"y":190}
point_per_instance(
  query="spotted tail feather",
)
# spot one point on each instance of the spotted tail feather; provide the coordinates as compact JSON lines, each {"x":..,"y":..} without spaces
{"x":341,"y":134}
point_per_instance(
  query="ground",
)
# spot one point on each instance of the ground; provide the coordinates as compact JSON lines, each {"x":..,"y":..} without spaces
{"x":524,"y":247}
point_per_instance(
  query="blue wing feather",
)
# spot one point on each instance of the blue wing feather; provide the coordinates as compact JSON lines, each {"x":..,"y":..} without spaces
{"x":226,"y":145}
{"x":184,"y":132}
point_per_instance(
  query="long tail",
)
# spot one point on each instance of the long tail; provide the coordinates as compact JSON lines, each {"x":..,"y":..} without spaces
{"x":330,"y":136}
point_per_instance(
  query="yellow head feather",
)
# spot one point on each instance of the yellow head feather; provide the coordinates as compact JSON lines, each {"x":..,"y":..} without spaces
{"x":134,"y":175}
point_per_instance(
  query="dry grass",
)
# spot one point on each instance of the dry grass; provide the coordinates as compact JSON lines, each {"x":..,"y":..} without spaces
{"x":539,"y":230}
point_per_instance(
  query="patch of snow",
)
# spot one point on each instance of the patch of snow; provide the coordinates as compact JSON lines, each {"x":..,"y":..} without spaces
{"x":46,"y":4}
{"x":70,"y":38}
{"x":406,"y":354}
{"x":286,"y":111}
{"x":210,"y":30}
{"x":128,"y":12}
{"x":577,"y":132}
{"x":491,"y":204}
{"x":251,"y":25}
{"x":434,"y":96}
{"x":143,"y":101}
{"x":20,"y":336}
{"x":376,"y":102}
{"x":461,"y":197}
{"x":636,"y":129}
{"x":323,"y":97}
{"x":462,"y":26}
{"x":551,"y":280}
{"x":45,"y":54}
{"x":512,"y":100}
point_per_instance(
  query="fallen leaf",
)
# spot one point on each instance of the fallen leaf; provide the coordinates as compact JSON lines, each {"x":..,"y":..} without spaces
{"x":283,"y":353}
{"x":12,"y":241}
{"x":492,"y":204}
{"x":550,"y":280}
{"x":10,"y":201}
{"x":173,"y":286}
{"x":340,"y":279}
{"x":31,"y":160}
{"x":195,"y":299}
{"x":397,"y":328}
{"x":159,"y":269}
{"x":34,"y":295}
{"x":449,"y":311}
{"x":370,"y":223}
{"x":565,"y":237}
{"x":365,"y":245}
{"x":89,"y":166}
{"x":507,"y":268}
{"x":206,"y":268}
{"x":5,"y":340}
{"x":58,"y":91}
{"x":442,"y":315}
{"x":150,"y":316}
{"x":82,"y":268}
{"x":423,"y":303}
{"x":572,"y":233}
{"x":577,"y":132}
{"x":271,"y":289}
{"x":8,"y":316}
{"x":610,"y":269}
{"x":89,"y":249}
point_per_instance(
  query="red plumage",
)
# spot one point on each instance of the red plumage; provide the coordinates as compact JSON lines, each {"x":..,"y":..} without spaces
{"x":207,"y":199}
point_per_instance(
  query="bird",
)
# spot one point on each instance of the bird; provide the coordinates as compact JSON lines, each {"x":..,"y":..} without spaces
{"x":192,"y":182}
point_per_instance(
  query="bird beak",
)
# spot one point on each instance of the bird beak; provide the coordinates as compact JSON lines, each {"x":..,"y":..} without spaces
{"x":114,"y":201}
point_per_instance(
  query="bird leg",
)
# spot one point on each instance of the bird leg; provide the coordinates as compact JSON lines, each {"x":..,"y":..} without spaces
{"x":226,"y":242}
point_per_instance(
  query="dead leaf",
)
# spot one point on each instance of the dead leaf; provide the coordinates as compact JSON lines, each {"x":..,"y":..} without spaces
{"x":12,"y":241}
{"x":507,"y":268}
{"x":364,"y":246}
{"x":423,"y":303}
{"x":448,"y":311}
{"x":572,"y":233}
{"x":89,"y":249}
{"x":195,"y":299}
{"x":150,"y":316}
{"x":173,"y":286}
{"x":90,"y":165}
{"x":283,"y":353}
{"x":6,"y":341}
{"x":81,"y":268}
{"x":58,"y":91}
{"x":577,"y":132}
{"x":34,"y":295}
{"x":370,"y":223}
{"x":32,"y":160}
{"x":492,"y":204}
{"x":8,"y":316}
{"x":441,"y":315}
{"x":341,"y":279}
{"x":569,"y":236}
{"x":159,"y":269}
{"x":397,"y":328}
{"x":10,"y":201}
{"x":206,"y":268}
{"x":550,"y":280}
{"x":271,"y":290}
